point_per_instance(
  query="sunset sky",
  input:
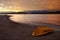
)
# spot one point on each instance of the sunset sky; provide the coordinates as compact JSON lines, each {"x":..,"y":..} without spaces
{"x":21,"y":5}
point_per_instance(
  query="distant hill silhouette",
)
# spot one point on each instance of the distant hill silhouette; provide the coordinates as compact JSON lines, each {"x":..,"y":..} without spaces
{"x":43,"y":12}
{"x":34,"y":12}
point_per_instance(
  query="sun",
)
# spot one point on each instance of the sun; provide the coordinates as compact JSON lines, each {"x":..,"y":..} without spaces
{"x":10,"y":10}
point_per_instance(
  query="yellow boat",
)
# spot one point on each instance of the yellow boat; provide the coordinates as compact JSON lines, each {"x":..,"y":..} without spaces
{"x":41,"y":31}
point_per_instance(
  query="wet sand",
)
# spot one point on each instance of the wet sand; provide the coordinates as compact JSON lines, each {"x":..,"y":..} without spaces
{"x":10,"y":30}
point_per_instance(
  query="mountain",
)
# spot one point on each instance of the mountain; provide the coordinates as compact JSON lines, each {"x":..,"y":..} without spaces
{"x":43,"y":12}
{"x":34,"y":12}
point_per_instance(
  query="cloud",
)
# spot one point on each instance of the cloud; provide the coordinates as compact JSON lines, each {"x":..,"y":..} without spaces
{"x":32,"y":4}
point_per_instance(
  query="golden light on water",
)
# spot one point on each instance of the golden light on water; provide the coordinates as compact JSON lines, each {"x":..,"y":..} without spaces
{"x":28,"y":18}
{"x":16,"y":17}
